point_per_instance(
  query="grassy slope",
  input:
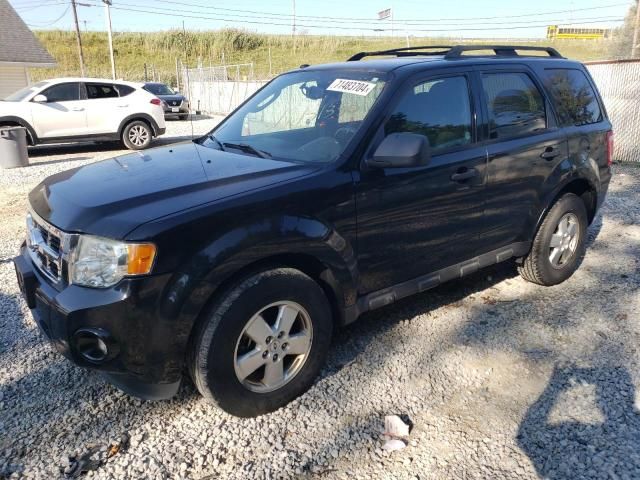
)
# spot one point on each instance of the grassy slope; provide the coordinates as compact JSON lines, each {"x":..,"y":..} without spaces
{"x":161,"y":49}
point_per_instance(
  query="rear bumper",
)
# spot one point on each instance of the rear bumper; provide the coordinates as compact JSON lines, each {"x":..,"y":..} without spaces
{"x":143,"y":357}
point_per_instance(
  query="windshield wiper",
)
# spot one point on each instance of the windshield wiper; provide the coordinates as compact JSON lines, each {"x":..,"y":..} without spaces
{"x":212,"y":137}
{"x":245,"y":147}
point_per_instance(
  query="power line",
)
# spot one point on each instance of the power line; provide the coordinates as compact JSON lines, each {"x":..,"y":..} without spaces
{"x":360,"y":19}
{"x":201,"y":15}
{"x":25,"y":8}
{"x":52,"y":22}
{"x":371,"y":24}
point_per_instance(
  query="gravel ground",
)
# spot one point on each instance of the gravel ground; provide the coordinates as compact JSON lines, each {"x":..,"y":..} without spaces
{"x":498,"y":378}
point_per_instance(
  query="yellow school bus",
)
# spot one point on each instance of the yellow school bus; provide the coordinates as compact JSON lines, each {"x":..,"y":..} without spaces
{"x":554,"y":31}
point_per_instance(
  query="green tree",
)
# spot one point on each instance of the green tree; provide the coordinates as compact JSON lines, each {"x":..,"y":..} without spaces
{"x":623,"y":36}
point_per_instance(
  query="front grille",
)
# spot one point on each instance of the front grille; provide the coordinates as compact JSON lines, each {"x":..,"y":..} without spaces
{"x":46,"y":247}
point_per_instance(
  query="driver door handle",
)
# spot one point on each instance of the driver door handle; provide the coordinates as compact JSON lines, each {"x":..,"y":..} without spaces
{"x":77,"y":109}
{"x":463,"y":174}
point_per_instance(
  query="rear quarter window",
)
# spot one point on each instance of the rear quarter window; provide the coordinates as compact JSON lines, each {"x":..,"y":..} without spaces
{"x":124,"y":90}
{"x":573,"y":96}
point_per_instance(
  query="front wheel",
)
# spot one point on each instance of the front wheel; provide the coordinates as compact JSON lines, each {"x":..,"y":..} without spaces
{"x":263,"y":344}
{"x":559,"y":244}
{"x":137,"y":135}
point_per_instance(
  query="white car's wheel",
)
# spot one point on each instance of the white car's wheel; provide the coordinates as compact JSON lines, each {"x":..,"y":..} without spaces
{"x":137,"y":135}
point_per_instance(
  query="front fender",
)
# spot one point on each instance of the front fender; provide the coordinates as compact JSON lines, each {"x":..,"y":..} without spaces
{"x":190,"y":288}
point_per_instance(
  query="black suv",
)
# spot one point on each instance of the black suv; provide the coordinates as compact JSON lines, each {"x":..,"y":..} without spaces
{"x":334,"y":190}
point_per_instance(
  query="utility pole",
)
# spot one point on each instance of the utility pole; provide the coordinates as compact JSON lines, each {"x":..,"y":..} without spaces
{"x":107,"y":5}
{"x":293,"y":25}
{"x":635,"y":46}
{"x":75,"y":19}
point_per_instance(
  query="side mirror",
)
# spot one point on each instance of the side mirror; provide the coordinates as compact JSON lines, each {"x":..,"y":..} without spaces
{"x":40,"y":98}
{"x":401,"y":150}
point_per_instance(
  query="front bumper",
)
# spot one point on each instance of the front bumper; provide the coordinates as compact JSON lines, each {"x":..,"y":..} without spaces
{"x":182,"y":109}
{"x":144,"y":357}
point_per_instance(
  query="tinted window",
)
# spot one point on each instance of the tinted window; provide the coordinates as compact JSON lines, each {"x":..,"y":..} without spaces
{"x":124,"y":90}
{"x":64,"y":92}
{"x":100,"y":90}
{"x":438,"y":109}
{"x":573,"y":97}
{"x":514,"y":104}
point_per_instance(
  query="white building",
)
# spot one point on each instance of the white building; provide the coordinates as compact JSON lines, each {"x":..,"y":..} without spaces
{"x":19,"y":50}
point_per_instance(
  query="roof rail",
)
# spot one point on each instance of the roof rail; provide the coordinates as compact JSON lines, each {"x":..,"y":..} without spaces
{"x":456,"y":51}
{"x":500,"y":50}
{"x":403,"y":52}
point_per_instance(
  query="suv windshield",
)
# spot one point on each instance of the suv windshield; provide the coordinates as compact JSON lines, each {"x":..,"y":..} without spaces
{"x":307,"y":116}
{"x":158,"y":89}
{"x":24,"y":92}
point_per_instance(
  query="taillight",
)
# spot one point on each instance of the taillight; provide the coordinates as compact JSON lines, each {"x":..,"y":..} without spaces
{"x":609,"y":147}
{"x":156,"y":101}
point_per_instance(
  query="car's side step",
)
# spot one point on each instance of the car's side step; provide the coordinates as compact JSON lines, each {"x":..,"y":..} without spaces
{"x":389,"y":295}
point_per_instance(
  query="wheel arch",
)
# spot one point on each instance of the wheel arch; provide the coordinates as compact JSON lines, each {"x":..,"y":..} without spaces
{"x":305,"y":244}
{"x":32,"y":137}
{"x":582,"y":187}
{"x":145,"y":117}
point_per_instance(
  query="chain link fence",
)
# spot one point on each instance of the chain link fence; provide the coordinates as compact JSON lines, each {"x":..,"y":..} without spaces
{"x":619,"y":85}
{"x":219,"y":89}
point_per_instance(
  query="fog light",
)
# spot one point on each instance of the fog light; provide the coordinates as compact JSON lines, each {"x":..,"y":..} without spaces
{"x":93,"y":344}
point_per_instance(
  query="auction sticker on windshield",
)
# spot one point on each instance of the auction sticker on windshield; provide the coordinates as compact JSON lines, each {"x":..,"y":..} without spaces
{"x":357,"y":87}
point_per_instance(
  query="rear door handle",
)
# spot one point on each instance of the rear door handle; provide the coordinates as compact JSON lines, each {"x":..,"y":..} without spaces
{"x":77,"y":109}
{"x":123,"y":105}
{"x":549,"y":153}
{"x":464,"y":174}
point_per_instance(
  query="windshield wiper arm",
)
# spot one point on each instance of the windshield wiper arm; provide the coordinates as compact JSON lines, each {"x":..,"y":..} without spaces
{"x":212,"y":137}
{"x":245,"y":147}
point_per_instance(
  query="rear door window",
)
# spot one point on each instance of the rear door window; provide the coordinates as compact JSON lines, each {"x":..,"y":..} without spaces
{"x":514,"y":104}
{"x":63,"y":92}
{"x":438,"y":109}
{"x":573,"y":96}
{"x":100,"y":90}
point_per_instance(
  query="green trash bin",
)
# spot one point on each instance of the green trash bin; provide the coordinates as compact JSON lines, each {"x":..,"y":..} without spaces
{"x":13,"y":147}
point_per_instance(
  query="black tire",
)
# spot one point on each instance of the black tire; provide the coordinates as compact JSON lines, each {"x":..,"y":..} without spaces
{"x":129,"y":139}
{"x":183,"y":117}
{"x":537,"y":266}
{"x":212,"y":353}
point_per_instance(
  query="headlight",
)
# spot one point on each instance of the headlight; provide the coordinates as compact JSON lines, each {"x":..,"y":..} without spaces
{"x":101,"y":262}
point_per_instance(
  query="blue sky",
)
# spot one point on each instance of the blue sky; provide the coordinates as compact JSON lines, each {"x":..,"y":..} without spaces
{"x":458,"y":18}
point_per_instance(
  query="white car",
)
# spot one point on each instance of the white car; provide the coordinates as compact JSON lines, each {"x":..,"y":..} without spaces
{"x":73,"y":109}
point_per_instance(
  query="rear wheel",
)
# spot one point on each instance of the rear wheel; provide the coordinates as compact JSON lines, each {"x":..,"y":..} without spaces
{"x":559,"y":245}
{"x":263,"y":344}
{"x":137,"y":135}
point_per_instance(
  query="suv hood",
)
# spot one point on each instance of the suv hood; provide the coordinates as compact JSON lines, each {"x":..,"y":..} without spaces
{"x":112,"y":197}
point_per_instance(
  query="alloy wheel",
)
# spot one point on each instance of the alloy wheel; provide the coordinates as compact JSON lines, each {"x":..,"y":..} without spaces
{"x":564,"y":240}
{"x":273,"y":346}
{"x":138,"y":135}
